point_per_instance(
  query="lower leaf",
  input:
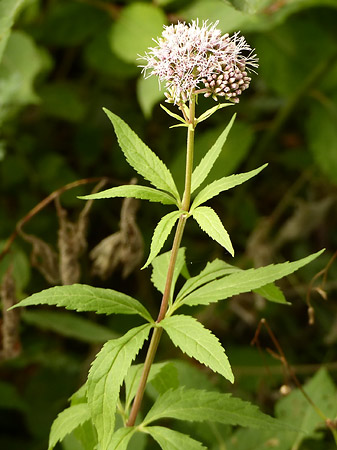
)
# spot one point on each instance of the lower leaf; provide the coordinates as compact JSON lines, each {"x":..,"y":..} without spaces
{"x":173,"y":440}
{"x":106,"y":376}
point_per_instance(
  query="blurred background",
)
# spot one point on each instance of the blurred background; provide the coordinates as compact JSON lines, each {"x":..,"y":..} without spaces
{"x":60,"y":63}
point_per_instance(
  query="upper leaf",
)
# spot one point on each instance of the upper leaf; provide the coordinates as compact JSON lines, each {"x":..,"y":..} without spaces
{"x":67,"y":421}
{"x":161,"y":232}
{"x":197,"y":405}
{"x":243,"y":281}
{"x":202,"y":170}
{"x":223,"y":184}
{"x":160,"y":267}
{"x":106,"y":376}
{"x":209,"y":222}
{"x":81,"y":297}
{"x":173,"y":440}
{"x":213,"y":270}
{"x":141,"y":158}
{"x":197,"y":342}
{"x":131,"y":190}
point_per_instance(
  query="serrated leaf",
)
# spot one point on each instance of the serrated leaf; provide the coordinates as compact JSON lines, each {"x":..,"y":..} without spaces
{"x":160,"y":267}
{"x":213,"y":270}
{"x":161,"y":232}
{"x":141,"y":158}
{"x":81,"y":297}
{"x":223,"y":184}
{"x":67,"y":421}
{"x":209,"y":222}
{"x":173,"y":440}
{"x":202,"y":170}
{"x":106,"y":376}
{"x":197,"y":342}
{"x":244,"y":281}
{"x":197,"y":406}
{"x":121,"y":438}
{"x":142,"y":192}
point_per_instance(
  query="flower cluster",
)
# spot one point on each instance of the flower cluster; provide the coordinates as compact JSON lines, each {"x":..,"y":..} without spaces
{"x":192,"y":59}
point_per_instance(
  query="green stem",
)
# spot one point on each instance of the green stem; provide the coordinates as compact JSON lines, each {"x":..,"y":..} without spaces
{"x":157,"y":332}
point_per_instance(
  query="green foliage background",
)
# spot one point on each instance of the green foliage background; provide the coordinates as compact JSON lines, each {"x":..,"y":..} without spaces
{"x":61,"y":61}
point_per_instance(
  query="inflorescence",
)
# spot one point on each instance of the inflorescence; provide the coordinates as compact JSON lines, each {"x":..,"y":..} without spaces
{"x":191,"y":59}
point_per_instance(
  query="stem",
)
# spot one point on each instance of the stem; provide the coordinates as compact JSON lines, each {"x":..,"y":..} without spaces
{"x":174,"y":252}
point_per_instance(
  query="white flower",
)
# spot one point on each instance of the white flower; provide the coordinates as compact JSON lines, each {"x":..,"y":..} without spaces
{"x":193,"y":59}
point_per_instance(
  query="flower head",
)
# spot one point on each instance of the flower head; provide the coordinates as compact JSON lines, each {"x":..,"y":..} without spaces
{"x":193,"y":59}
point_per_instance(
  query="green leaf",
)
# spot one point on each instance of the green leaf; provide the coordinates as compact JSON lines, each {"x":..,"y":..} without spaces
{"x":202,"y":170}
{"x":136,"y":27}
{"x":213,"y":270}
{"x":106,"y":376}
{"x":244,"y":281}
{"x":128,"y":190}
{"x":67,"y":421}
{"x":272,"y":293}
{"x":81,"y":297}
{"x":160,"y":267}
{"x":172,"y":440}
{"x":133,"y":378}
{"x":223,"y":184}
{"x":165,"y":379}
{"x":175,"y":116}
{"x":198,"y":406}
{"x":161,"y":232}
{"x":121,"y":438}
{"x":149,"y":93}
{"x":141,"y":158}
{"x":209,"y":222}
{"x":69,"y":325}
{"x":8,"y":11}
{"x":211,"y":111}
{"x":197,"y":342}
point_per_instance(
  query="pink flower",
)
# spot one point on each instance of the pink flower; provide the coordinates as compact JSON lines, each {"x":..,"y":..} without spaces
{"x":192,"y":59}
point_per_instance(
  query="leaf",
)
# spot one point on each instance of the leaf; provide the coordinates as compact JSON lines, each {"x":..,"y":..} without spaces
{"x":67,"y":421}
{"x":223,"y":184}
{"x":121,"y":438}
{"x":136,"y":27}
{"x":209,"y":222}
{"x":202,"y":170}
{"x":133,"y":378}
{"x":161,"y":232}
{"x":296,"y":410}
{"x":142,"y":192}
{"x":81,"y":297}
{"x":198,"y":406}
{"x":106,"y":376}
{"x":141,"y":158}
{"x":69,"y":325}
{"x":175,"y":116}
{"x":212,"y":271}
{"x":149,"y":93}
{"x":272,"y":293}
{"x":197,"y":342}
{"x":244,"y":281}
{"x":160,"y":267}
{"x":211,"y":111}
{"x":172,"y":440}
{"x":8,"y":11}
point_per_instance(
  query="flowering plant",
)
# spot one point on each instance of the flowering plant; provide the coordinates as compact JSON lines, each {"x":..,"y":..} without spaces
{"x":190,"y":60}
